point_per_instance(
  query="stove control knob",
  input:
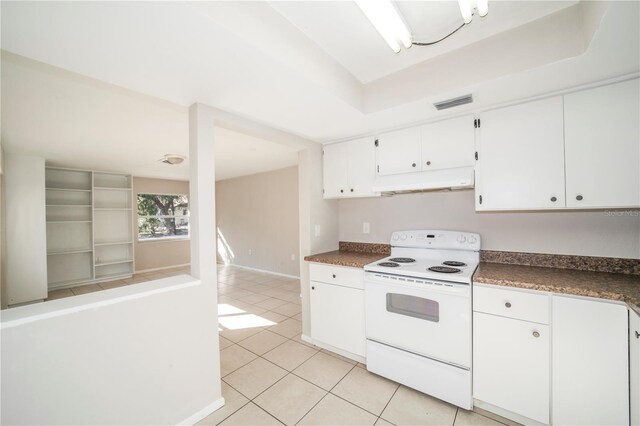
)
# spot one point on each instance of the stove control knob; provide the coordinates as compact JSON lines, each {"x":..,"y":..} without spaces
{"x":395,"y":237}
{"x":461,"y":238}
{"x":472,"y":240}
{"x":403,"y":237}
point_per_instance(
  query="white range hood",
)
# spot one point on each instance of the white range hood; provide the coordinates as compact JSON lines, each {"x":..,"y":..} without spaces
{"x":457,"y":178}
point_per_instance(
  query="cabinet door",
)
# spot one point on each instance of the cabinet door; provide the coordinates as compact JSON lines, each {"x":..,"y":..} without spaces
{"x":521,"y":157}
{"x":362,"y":167}
{"x":511,"y":365}
{"x":602,"y":145}
{"x":634,"y":367}
{"x":399,"y":151}
{"x":448,"y":144}
{"x":335,"y":170}
{"x":337,"y":317}
{"x":590,"y":384}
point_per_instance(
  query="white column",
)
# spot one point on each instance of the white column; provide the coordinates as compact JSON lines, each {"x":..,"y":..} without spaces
{"x":202,"y":194}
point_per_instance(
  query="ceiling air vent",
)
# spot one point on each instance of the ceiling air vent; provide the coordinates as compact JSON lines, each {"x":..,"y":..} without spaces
{"x":450,"y":103}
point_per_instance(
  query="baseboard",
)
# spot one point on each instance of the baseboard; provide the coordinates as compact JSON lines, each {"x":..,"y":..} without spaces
{"x":480,"y":406}
{"x":265,"y":271}
{"x":142,"y":271}
{"x":333,"y":349}
{"x":196,"y":417}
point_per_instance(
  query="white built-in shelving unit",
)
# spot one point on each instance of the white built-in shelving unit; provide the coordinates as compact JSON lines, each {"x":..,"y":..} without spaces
{"x":89,"y":227}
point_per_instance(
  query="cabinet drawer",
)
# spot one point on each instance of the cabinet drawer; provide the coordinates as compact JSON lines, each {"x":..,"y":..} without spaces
{"x":339,"y":275}
{"x":511,"y":304}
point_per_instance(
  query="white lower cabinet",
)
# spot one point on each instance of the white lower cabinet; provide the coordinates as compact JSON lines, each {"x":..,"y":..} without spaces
{"x":567,"y":368}
{"x":590,"y":384}
{"x":634,"y":366}
{"x":337,"y":309}
{"x":511,"y":351}
{"x":511,"y":365}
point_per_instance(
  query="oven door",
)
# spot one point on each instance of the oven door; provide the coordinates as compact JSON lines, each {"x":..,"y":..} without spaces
{"x":427,"y":318}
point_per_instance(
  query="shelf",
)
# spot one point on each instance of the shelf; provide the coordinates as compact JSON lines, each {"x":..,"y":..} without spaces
{"x":115,"y":262}
{"x":68,"y":189}
{"x":114,"y":275}
{"x":107,"y":188}
{"x":68,"y":205}
{"x":68,"y":221}
{"x":68,"y":283}
{"x":71,"y":251}
{"x":118,"y":243}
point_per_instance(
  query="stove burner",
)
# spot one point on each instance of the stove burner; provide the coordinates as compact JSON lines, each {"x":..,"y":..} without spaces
{"x":389,"y":264}
{"x":402,"y":259}
{"x":454,"y":263}
{"x":444,"y":269}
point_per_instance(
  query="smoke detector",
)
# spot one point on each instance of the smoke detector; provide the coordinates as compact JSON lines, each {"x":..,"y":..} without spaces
{"x":173,"y":159}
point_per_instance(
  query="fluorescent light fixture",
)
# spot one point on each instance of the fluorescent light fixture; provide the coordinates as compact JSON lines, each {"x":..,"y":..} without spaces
{"x":468,"y":6}
{"x":386,"y":19}
{"x":483,"y":7}
{"x":466,"y":9}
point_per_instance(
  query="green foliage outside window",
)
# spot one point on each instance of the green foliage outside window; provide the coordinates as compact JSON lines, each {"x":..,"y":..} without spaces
{"x":162,"y":216}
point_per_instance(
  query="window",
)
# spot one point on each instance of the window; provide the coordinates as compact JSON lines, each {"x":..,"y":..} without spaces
{"x":162,"y":216}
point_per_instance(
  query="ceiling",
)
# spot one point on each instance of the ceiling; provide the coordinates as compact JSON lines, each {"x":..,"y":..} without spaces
{"x":342,"y":30}
{"x":313,"y":69}
{"x":75,"y":121}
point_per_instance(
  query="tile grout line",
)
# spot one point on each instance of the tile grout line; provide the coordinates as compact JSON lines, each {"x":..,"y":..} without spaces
{"x":387,"y":404}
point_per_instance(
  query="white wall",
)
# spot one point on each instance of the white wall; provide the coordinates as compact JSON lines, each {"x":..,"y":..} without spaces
{"x":316,"y":214}
{"x":3,"y":234}
{"x":162,"y":253}
{"x":258,"y":221}
{"x":588,"y":233}
{"x":144,"y":354}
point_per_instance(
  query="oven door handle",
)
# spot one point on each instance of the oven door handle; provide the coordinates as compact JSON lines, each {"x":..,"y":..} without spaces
{"x":463,"y":290}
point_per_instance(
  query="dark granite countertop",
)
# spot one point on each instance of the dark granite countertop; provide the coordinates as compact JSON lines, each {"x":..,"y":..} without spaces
{"x":504,"y":270}
{"x":603,"y":285}
{"x":354,"y":259}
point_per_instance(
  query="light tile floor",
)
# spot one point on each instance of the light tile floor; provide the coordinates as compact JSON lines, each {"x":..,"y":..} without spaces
{"x":271,"y":377}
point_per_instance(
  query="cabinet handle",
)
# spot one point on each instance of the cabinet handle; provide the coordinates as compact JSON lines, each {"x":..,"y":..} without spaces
{"x":334,"y":275}
{"x":342,"y":190}
{"x":428,"y":163}
{"x":579,"y":197}
{"x":554,"y":199}
{"x":508,"y":304}
{"x":413,"y":165}
{"x":313,"y":288}
{"x":637,"y":335}
{"x":536,"y":334}
{"x":351,"y":189}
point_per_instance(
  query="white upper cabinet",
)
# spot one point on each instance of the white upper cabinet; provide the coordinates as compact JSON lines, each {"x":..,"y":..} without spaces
{"x":448,"y":144}
{"x":521,"y":157}
{"x":399,"y":151}
{"x":335,"y":172}
{"x":349,"y":169}
{"x":602,"y":145}
{"x":362,"y":167}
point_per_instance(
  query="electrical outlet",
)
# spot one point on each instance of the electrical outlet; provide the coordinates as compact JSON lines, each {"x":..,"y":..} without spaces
{"x":317,"y":230}
{"x":250,"y":252}
{"x":366,"y":228}
{"x":293,"y":256}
